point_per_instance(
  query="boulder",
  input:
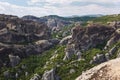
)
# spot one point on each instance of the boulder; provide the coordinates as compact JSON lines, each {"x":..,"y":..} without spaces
{"x":79,"y":54}
{"x":50,"y":75}
{"x":14,"y":60}
{"x":69,"y":52}
{"x":99,"y":58}
{"x":35,"y":77}
{"x":72,"y":71}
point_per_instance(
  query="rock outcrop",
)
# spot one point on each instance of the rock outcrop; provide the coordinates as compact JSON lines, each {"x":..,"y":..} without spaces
{"x":16,"y":30}
{"x":50,"y":75}
{"x":89,"y":37}
{"x":99,"y":58}
{"x":35,"y":77}
{"x":69,"y":52}
{"x":65,"y":40}
{"x":106,"y":71}
{"x":52,"y":21}
{"x":21,"y":38}
{"x":115,"y":38}
{"x":14,"y":60}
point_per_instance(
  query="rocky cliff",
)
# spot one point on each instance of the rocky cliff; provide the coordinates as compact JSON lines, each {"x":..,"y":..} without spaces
{"x":92,"y":36}
{"x":16,"y":30}
{"x":50,"y":21}
{"x":20,"y":38}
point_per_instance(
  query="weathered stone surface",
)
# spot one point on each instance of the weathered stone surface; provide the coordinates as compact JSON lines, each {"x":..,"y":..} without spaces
{"x":53,"y":22}
{"x":69,"y":52}
{"x":50,"y":75}
{"x":16,"y":30}
{"x":22,"y":38}
{"x":91,"y":36}
{"x":106,"y":71}
{"x":35,"y":77}
{"x":72,"y":71}
{"x":65,"y":40}
{"x":99,"y":58}
{"x":14,"y":60}
{"x":115,"y":38}
{"x":79,"y":54}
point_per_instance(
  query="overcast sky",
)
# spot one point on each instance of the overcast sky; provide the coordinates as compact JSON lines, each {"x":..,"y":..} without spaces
{"x":59,"y":7}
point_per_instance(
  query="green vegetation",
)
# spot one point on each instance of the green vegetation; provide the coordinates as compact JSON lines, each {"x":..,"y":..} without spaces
{"x":108,"y":18}
{"x":40,"y":63}
{"x":45,"y":61}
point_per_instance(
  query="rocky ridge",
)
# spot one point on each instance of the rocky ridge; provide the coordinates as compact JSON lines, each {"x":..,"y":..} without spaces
{"x":46,"y":58}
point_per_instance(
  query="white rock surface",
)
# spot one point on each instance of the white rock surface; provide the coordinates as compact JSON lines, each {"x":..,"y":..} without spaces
{"x":106,"y":71}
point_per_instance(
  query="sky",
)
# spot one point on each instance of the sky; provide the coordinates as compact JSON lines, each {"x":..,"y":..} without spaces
{"x":59,"y":7}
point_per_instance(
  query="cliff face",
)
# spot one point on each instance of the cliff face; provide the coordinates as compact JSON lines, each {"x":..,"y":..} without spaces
{"x":16,"y":30}
{"x":21,"y":38}
{"x":106,"y":71}
{"x":94,"y":36}
{"x":91,"y":36}
{"x":50,"y":21}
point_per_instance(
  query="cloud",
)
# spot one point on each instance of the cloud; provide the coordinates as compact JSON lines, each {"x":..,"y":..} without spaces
{"x":70,"y":1}
{"x":65,"y":8}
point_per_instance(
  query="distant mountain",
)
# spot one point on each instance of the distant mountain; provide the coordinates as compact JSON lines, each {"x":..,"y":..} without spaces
{"x":90,"y":15}
{"x":57,"y":21}
{"x":95,"y":15}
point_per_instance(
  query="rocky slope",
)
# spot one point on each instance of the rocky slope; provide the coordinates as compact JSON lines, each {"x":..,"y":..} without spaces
{"x":38,"y":56}
{"x":21,"y":38}
{"x":106,"y":71}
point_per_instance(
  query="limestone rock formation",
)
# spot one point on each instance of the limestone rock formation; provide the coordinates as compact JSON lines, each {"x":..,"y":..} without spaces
{"x":91,"y":36}
{"x":52,"y":21}
{"x":115,"y":38}
{"x":22,"y":38}
{"x":69,"y":52}
{"x":50,"y":75}
{"x":16,"y":30}
{"x":106,"y":71}
{"x":100,"y":58}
